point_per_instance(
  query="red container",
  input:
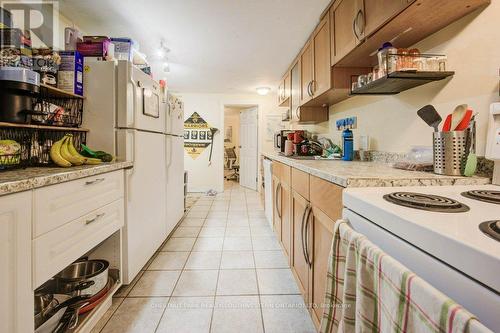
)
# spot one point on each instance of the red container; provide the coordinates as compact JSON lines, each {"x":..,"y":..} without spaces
{"x":298,"y":137}
{"x":94,"y":46}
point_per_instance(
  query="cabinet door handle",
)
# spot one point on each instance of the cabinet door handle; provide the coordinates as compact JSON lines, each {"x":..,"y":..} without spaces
{"x":302,"y":234}
{"x":309,"y":258}
{"x":309,"y":92}
{"x":96,"y":181}
{"x":297,"y":112}
{"x":278,"y":189}
{"x":97,"y":217}
{"x":313,"y":87}
{"x":355,"y":24}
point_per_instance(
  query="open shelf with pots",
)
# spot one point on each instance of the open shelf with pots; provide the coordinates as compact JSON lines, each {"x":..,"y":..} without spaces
{"x":108,"y":251}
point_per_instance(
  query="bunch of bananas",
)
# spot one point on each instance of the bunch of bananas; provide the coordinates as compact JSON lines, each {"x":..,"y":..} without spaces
{"x":64,"y":154}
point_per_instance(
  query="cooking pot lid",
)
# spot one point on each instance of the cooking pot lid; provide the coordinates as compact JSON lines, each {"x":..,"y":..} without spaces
{"x":19,"y":74}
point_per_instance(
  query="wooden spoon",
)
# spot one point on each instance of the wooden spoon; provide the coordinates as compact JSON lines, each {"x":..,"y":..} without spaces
{"x":457,"y":115}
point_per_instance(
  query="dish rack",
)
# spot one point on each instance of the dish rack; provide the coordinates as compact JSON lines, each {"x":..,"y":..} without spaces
{"x":35,"y":142}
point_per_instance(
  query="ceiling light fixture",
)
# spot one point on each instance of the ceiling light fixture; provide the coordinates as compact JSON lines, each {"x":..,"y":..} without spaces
{"x":166,"y":67}
{"x":263,"y":91}
{"x":162,"y":51}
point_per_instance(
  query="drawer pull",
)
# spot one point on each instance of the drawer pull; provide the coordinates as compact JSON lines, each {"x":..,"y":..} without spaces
{"x":92,"y":182}
{"x":98,"y":216}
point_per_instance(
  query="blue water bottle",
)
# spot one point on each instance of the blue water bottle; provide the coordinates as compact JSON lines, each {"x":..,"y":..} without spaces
{"x":347,"y":145}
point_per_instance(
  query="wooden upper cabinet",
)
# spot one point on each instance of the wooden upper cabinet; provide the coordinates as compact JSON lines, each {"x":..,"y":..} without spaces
{"x":349,"y":27}
{"x":284,"y":90}
{"x":378,"y":12}
{"x":331,"y":15}
{"x":321,"y":54}
{"x":306,"y":73}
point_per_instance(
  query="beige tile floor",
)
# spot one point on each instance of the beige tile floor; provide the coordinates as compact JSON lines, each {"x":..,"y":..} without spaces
{"x":221,"y":271}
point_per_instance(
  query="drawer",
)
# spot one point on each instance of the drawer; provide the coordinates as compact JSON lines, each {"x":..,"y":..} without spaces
{"x":58,"y":204}
{"x":57,"y":249}
{"x":327,"y":197}
{"x":282,"y":171}
{"x":300,"y":182}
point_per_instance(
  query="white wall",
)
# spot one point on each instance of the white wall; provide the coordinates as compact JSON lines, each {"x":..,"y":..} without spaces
{"x":473,"y":50}
{"x":203,"y":177}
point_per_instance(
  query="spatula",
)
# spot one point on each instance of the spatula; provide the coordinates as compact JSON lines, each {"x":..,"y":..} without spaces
{"x":447,"y":124}
{"x":457,"y":116}
{"x":429,"y":114}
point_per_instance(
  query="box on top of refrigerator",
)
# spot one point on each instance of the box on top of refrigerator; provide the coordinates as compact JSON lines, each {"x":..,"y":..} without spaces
{"x":123,"y":48}
{"x":70,"y":75}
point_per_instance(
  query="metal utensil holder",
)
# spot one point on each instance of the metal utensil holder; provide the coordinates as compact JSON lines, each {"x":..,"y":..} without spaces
{"x":450,"y":152}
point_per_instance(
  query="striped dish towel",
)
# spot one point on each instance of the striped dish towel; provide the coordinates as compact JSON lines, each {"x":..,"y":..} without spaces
{"x":368,"y":291}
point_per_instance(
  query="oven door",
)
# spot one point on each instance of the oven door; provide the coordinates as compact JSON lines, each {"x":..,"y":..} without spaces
{"x":456,"y":285}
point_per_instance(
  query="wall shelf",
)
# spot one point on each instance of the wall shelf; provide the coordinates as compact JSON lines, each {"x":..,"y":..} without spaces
{"x":42,"y":127}
{"x":396,"y":82}
{"x":58,"y":93}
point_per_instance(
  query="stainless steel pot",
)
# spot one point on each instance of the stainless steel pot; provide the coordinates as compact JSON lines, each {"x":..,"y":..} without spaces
{"x":68,"y":280}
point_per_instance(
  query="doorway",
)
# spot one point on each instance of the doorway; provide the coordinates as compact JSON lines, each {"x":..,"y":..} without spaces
{"x":241,"y":145}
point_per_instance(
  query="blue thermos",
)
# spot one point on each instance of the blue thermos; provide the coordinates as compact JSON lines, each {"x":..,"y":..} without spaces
{"x":347,"y":145}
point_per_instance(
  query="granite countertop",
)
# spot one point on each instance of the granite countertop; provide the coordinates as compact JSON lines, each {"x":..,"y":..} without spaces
{"x":372,"y":174}
{"x":19,"y":180}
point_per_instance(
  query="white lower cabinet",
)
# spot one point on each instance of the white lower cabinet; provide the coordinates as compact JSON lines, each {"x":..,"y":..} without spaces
{"x":57,"y":249}
{"x":44,"y":230}
{"x":16,"y":292}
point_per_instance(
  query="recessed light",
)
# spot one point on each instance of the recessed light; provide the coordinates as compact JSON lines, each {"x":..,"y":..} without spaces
{"x":263,"y":91}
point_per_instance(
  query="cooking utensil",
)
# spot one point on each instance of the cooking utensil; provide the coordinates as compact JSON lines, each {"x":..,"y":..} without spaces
{"x":464,"y":123}
{"x":431,"y":117}
{"x":42,"y":301}
{"x":471,"y":163}
{"x":51,"y":323}
{"x":70,"y":318}
{"x":447,"y":124}
{"x":457,"y":115}
{"x":69,"y":302}
{"x":98,"y":298}
{"x":70,"y":279}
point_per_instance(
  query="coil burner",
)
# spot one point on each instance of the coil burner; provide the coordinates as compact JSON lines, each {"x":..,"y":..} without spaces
{"x":427,"y":202}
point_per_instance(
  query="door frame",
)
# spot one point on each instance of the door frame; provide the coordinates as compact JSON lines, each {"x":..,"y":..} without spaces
{"x":246,"y":105}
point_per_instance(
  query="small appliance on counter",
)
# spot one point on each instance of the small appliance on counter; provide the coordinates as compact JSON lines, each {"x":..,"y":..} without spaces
{"x":17,"y":88}
{"x":280,"y":138}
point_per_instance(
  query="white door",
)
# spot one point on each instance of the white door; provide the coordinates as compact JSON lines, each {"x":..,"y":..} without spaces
{"x":175,"y":180}
{"x":145,"y":197}
{"x":248,"y":150}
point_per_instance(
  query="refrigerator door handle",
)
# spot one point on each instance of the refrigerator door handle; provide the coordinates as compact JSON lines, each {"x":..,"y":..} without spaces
{"x":134,"y":100}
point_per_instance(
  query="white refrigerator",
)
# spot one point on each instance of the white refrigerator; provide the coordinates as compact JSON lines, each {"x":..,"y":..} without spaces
{"x":128,"y":115}
{"x":175,"y":161}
